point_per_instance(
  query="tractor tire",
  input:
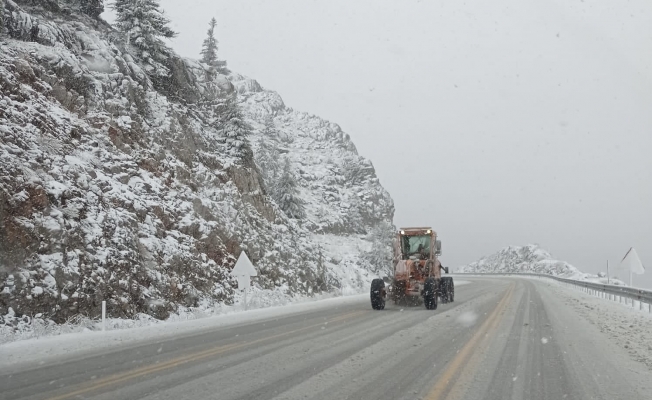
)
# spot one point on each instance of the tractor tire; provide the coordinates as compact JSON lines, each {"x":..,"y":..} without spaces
{"x":451,"y":292}
{"x":447,"y":291}
{"x":430,"y":294}
{"x":377,"y":294}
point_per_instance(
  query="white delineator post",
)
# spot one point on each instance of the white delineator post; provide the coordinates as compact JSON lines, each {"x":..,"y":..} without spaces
{"x":103,"y":315}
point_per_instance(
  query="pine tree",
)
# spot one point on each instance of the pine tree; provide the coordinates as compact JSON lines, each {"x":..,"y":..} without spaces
{"x":267,"y":156}
{"x":209,"y":51}
{"x":321,"y":270}
{"x":270,"y":128}
{"x":2,"y":17}
{"x":266,"y":159}
{"x":287,"y":194}
{"x":354,"y":214}
{"x":380,"y":256}
{"x":233,"y":129}
{"x":144,"y":25}
{"x":353,"y":170}
{"x":92,"y":8}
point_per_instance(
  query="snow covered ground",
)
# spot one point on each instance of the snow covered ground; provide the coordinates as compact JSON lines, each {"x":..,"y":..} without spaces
{"x":38,"y":328}
{"x":35,"y":348}
{"x":628,"y":327}
{"x":44,"y":348}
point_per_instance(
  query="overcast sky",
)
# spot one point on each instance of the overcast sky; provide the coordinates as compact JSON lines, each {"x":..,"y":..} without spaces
{"x":498,"y":123}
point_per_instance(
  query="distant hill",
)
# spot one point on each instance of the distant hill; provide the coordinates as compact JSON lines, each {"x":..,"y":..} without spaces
{"x":530,"y":259}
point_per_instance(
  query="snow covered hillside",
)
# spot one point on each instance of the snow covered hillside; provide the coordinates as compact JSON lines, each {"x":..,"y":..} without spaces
{"x":140,"y":189}
{"x":530,"y":259}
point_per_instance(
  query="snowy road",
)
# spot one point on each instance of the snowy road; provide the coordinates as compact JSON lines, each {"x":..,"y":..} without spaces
{"x":503,"y":338}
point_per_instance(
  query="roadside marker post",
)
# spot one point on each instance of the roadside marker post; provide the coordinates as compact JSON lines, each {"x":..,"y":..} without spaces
{"x":103,"y":315}
{"x":243,"y":271}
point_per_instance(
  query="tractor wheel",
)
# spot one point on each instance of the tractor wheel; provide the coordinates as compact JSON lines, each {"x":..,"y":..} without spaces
{"x":451,"y":292}
{"x":446,"y":286}
{"x":430,"y":294}
{"x":377,"y":294}
{"x":443,"y":292}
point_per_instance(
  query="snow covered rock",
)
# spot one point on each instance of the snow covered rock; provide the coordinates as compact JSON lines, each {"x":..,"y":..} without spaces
{"x":117,"y":187}
{"x":532,"y":259}
{"x":518,"y":259}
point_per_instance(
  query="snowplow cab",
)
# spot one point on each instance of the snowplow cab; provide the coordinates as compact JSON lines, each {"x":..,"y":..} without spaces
{"x":415,"y":254}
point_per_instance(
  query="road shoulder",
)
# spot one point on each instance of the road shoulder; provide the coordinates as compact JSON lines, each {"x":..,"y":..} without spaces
{"x":584,"y":329}
{"x":34,"y":352}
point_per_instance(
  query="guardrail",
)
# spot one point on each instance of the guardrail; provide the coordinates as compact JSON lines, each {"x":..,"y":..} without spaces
{"x":611,"y":292}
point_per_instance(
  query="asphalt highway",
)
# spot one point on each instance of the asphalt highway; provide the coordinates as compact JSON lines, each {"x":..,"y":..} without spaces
{"x":502,"y":338}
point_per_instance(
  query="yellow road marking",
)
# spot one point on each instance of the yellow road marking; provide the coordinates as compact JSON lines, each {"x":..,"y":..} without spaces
{"x":118,"y":378}
{"x":454,"y":366}
{"x":346,"y":316}
{"x":125,"y":376}
{"x":465,"y":374}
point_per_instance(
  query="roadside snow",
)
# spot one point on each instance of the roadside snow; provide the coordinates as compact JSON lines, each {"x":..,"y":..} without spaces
{"x":627,"y":327}
{"x":48,"y":349}
{"x":146,"y":329}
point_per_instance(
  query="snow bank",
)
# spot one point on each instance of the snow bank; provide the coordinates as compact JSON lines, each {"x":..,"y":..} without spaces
{"x":627,"y":326}
{"x":47,"y":349}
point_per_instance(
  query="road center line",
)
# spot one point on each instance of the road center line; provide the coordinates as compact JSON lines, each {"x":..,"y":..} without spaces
{"x":447,"y":379}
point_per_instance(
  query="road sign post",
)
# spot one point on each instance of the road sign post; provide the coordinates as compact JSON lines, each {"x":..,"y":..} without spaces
{"x":632,"y":263}
{"x":243,"y":271}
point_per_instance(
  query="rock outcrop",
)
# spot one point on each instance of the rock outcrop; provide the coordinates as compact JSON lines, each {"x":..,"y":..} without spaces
{"x":116,"y":187}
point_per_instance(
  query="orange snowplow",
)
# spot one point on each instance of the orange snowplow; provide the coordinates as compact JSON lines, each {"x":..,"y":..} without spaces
{"x":417,"y":272}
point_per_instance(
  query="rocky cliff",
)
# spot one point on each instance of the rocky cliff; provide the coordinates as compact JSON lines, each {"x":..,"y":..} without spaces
{"x":117,"y":187}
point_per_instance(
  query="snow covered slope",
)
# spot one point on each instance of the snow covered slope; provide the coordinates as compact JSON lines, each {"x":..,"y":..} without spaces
{"x":513,"y":259}
{"x":530,"y":259}
{"x":339,"y":187}
{"x":117,"y":187}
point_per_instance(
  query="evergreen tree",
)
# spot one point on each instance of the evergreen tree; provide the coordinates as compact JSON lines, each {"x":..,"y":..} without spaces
{"x":321,"y":270}
{"x":354,"y":215}
{"x":354,"y":170}
{"x":266,"y":159}
{"x":209,"y":51}
{"x":270,"y":128}
{"x":267,"y":156}
{"x":92,"y":8}
{"x":287,"y":194}
{"x":233,"y":129}
{"x":380,"y":256}
{"x":2,"y":16}
{"x":144,"y":25}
